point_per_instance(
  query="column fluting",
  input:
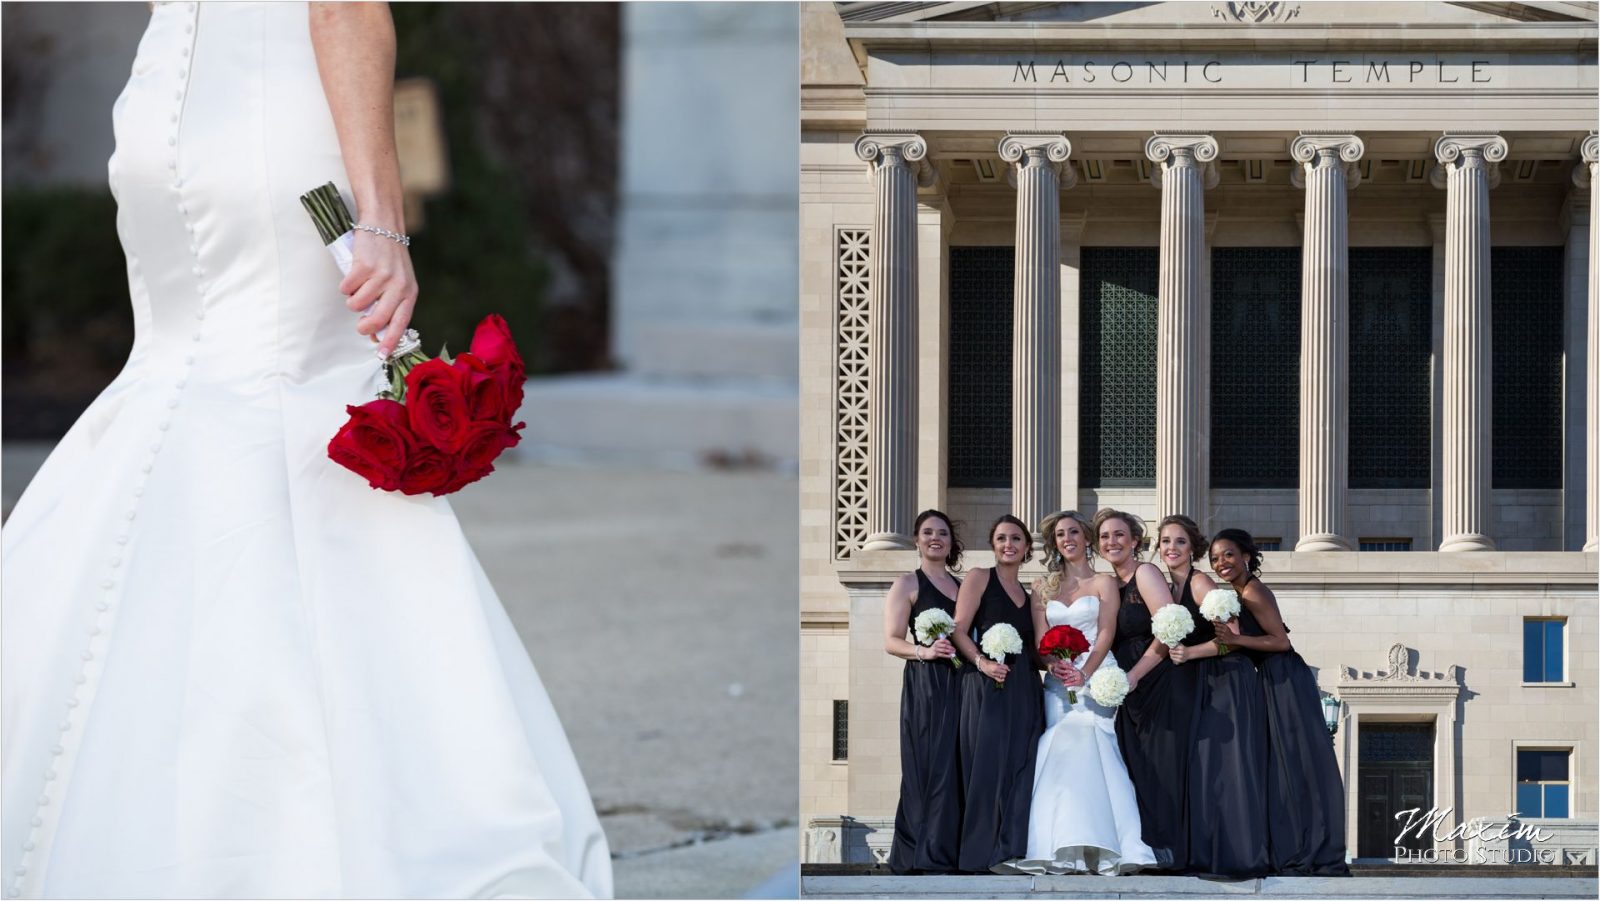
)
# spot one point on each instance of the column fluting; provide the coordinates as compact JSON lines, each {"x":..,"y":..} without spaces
{"x":1467,"y":162}
{"x":1329,"y":171}
{"x":1186,"y":169}
{"x":1591,"y":486}
{"x":896,"y":161}
{"x":1038,"y":163}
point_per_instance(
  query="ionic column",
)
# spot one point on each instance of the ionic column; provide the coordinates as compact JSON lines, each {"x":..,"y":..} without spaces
{"x":1038,"y":168}
{"x":1329,"y":171}
{"x":1591,"y":486}
{"x":1186,"y":169}
{"x":896,"y":163}
{"x":1467,"y":165}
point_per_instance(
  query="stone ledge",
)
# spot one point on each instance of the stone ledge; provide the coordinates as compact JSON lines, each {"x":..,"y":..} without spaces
{"x":1331,"y":569}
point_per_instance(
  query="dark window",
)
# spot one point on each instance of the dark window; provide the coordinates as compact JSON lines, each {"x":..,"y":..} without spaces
{"x":1269,"y":544}
{"x":1384,"y":544}
{"x":1255,"y":367}
{"x":1543,"y":783}
{"x":1544,"y":650}
{"x":841,"y":730}
{"x":980,"y":366}
{"x":1527,"y":366}
{"x":1391,"y":358}
{"x":1117,"y":365}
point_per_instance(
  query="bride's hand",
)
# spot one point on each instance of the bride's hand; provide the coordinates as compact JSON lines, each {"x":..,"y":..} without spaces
{"x":1073,"y":677}
{"x":382,"y":282}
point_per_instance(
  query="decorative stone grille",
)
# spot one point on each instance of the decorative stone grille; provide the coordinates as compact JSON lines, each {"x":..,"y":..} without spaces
{"x":852,"y":297}
{"x":1391,"y":361}
{"x":1117,"y":365}
{"x":981,"y":285}
{"x":1528,"y":336}
{"x":1255,"y":367}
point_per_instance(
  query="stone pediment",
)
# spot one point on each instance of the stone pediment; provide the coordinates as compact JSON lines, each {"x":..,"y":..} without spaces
{"x":1244,"y":14}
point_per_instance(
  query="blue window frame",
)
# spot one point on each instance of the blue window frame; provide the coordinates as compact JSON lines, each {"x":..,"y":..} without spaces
{"x":1543,"y":650}
{"x":1543,"y":782}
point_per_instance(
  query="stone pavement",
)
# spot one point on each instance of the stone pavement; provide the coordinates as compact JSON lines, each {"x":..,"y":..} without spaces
{"x":659,"y":608}
{"x":1188,"y":887}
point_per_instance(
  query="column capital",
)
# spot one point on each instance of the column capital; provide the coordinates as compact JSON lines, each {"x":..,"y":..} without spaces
{"x":1312,"y":150}
{"x":1584,"y":172}
{"x":1461,"y":149}
{"x":1048,"y":148}
{"x":897,"y":149}
{"x":1199,"y":151}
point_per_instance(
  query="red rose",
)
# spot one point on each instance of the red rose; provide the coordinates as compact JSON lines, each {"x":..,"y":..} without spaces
{"x":375,"y":443}
{"x":436,"y":404}
{"x":486,"y":400}
{"x":429,"y":471}
{"x":492,"y":343}
{"x":484,"y":444}
{"x":1064,"y":642}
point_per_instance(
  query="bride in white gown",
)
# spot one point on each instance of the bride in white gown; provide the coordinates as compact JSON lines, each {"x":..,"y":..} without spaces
{"x":231,"y":668}
{"x":1084,"y":818}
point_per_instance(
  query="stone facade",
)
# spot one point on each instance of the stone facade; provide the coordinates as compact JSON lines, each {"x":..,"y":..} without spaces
{"x":1181,"y":130}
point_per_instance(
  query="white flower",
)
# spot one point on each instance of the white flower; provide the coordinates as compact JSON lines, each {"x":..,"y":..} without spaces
{"x":1108,"y":686}
{"x":1000,"y":640}
{"x":931,"y":625}
{"x":1220,"y":604}
{"x":1171,"y":624}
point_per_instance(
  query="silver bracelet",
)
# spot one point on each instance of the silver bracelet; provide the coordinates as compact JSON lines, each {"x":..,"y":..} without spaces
{"x":402,"y":240}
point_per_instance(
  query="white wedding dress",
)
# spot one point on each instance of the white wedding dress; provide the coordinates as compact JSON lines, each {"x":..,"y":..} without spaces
{"x":1084,"y":818}
{"x":232,"y":669}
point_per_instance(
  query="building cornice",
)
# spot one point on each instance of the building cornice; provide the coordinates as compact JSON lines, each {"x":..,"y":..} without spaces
{"x":1553,"y":37}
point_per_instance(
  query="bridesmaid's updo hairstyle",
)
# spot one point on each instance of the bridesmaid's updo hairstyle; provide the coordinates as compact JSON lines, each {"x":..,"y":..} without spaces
{"x":1197,"y":541}
{"x":1141,"y":540}
{"x":1027,"y":537}
{"x":1242,"y":539}
{"x":952,"y":560}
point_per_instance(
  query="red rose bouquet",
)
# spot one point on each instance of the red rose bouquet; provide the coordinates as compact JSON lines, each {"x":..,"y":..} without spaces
{"x":439,"y":423}
{"x":1064,"y":643}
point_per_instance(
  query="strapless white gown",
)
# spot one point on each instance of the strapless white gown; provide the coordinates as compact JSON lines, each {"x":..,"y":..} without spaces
{"x":231,"y":668}
{"x":1085,"y":818}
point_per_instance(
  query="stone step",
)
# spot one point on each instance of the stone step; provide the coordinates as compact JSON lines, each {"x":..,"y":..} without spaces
{"x":748,"y":350}
{"x":673,"y":423}
{"x":1189,"y":887}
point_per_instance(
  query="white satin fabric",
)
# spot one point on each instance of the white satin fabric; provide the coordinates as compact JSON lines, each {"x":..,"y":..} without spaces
{"x":231,"y":668}
{"x":1084,"y":818}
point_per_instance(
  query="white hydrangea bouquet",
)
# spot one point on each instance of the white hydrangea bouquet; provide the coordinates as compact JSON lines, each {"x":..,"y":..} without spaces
{"x":1220,"y":605}
{"x":1001,"y":639}
{"x":1108,"y":686}
{"x":933,"y":624}
{"x":1171,"y":624}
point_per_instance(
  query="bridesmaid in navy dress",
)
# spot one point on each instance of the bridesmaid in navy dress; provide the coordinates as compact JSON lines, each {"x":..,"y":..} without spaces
{"x":1225,"y":805}
{"x":927,"y":824}
{"x":1002,"y":706}
{"x":1155,"y":722}
{"x":1304,"y":791}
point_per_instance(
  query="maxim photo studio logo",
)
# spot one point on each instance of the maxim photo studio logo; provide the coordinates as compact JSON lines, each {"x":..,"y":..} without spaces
{"x":1488,"y":841}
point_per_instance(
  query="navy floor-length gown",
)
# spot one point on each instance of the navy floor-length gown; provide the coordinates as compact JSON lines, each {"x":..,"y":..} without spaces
{"x":927,"y":823}
{"x":1000,"y":729}
{"x":1305,"y":793}
{"x":1155,"y":728}
{"x":1225,"y":803}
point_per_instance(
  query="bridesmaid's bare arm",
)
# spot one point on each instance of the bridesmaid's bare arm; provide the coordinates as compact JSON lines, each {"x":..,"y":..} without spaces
{"x":355,"y":49}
